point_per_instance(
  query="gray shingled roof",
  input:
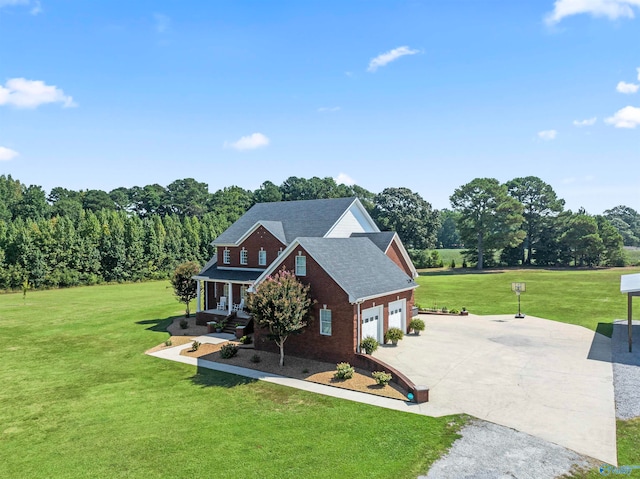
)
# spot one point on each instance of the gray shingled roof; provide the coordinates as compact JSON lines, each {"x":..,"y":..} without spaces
{"x":306,"y":218}
{"x":358,"y":266}
{"x":213,"y":273}
{"x":382,"y":239}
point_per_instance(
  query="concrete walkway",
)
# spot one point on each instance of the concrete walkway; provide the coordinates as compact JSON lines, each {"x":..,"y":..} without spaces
{"x":529,"y":374}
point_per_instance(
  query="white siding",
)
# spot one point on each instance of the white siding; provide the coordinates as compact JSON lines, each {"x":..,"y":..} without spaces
{"x":353,"y":221}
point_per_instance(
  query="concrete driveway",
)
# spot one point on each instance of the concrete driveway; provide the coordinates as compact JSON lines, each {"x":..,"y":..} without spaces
{"x":530,"y":374}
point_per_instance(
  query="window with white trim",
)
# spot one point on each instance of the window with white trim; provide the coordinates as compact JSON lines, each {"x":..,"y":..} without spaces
{"x":279,"y":251}
{"x":301,"y":265}
{"x":262,"y":257}
{"x":244,"y":255}
{"x":226,"y":256}
{"x":325,"y":322}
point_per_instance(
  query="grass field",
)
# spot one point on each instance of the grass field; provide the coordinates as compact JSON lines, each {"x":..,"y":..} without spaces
{"x":584,"y":297}
{"x":80,"y":399}
{"x":633,"y":255}
{"x":446,"y":255}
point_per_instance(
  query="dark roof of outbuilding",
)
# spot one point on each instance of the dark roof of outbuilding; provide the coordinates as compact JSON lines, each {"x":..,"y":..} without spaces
{"x":359,"y":267}
{"x":308,"y":218}
{"x":381,"y":239}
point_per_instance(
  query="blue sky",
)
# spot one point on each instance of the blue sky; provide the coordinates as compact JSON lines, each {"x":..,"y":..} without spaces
{"x":422,"y":94}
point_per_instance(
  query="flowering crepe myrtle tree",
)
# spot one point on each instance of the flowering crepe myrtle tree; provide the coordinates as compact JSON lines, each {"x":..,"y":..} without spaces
{"x":281,"y":304}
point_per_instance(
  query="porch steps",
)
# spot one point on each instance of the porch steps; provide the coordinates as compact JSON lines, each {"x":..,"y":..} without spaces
{"x":230,"y":327}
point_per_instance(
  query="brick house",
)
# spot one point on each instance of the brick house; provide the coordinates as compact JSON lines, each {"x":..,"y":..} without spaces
{"x":362,"y":279}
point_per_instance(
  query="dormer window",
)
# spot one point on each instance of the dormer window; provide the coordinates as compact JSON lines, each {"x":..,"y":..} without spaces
{"x":301,"y":265}
{"x":262,"y":257}
{"x":244,"y":255}
{"x":226,"y":256}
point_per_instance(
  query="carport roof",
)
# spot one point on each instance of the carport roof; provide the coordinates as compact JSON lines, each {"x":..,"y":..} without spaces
{"x":630,"y":283}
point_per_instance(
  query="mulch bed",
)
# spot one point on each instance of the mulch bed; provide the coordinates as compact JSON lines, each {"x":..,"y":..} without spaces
{"x":298,"y":368}
{"x":294,"y":367}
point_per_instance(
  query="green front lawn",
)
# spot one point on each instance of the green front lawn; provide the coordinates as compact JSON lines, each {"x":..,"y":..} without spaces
{"x":583,"y":297}
{"x":80,"y":399}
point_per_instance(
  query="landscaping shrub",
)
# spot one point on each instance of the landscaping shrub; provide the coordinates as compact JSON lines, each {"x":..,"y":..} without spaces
{"x":454,"y":311}
{"x":453,"y":264}
{"x":195,"y":345}
{"x":256,"y":358}
{"x":168,"y":342}
{"x":393,"y":335}
{"x":246,"y":339}
{"x":369,"y":344}
{"x":227,"y":351}
{"x":344,"y":371}
{"x":417,"y":325}
{"x":381,"y":377}
{"x":445,"y":309}
{"x":184,"y":324}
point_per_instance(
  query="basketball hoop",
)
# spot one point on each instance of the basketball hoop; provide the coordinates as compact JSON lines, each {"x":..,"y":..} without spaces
{"x":519,"y":288}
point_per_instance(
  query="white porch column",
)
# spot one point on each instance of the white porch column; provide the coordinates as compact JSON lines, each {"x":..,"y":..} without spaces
{"x":230,"y":304}
{"x":198,"y":301}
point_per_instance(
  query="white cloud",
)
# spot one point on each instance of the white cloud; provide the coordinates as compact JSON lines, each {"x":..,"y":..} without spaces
{"x":384,"y":58}
{"x":324,"y":109}
{"x":23,"y":93}
{"x":612,"y":9}
{"x":624,"y":87}
{"x":7,"y":154}
{"x":163,"y":22}
{"x":36,"y":8}
{"x":587,"y":122}
{"x":344,"y":179}
{"x":250,"y":142}
{"x":628,"y":117}
{"x":547,"y":134}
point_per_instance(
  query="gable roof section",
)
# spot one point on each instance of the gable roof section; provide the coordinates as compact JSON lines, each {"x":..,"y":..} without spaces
{"x":305,"y":218}
{"x":273,"y":227}
{"x":357,"y":265}
{"x":383,"y":241}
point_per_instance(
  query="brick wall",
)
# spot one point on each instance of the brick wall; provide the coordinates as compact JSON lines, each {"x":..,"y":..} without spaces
{"x":260,"y":238}
{"x":311,"y":344}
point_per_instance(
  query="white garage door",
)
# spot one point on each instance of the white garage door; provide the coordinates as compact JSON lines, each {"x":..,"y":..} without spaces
{"x":371,"y":323}
{"x":396,"y":314}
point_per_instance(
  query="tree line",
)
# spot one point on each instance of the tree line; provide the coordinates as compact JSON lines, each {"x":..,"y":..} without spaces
{"x":68,"y":237}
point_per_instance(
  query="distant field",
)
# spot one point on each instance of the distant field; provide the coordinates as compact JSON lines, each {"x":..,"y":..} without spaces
{"x":80,"y":399}
{"x":448,"y":254}
{"x":584,"y":297}
{"x":633,"y":255}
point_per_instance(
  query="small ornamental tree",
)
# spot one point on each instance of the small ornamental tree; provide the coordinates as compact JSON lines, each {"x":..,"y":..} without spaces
{"x":184,"y":286}
{"x":281,"y":304}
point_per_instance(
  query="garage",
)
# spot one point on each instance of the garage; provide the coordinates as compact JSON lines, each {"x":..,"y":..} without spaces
{"x":396,"y":314}
{"x":371,"y":322}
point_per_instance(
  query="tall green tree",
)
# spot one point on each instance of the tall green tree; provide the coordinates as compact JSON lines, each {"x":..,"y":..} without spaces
{"x":281,"y":304}
{"x":267,"y":193}
{"x":489,"y":217}
{"x":187,"y":197}
{"x":448,"y":235}
{"x":408,"y":214}
{"x":581,"y":238}
{"x":231,"y":202}
{"x":539,"y":203}
{"x":627,"y":221}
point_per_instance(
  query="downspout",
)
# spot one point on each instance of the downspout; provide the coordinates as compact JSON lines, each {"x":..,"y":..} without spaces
{"x":359,"y":321}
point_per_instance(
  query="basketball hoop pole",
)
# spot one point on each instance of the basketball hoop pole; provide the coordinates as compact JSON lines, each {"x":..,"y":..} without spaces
{"x":518,"y":288}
